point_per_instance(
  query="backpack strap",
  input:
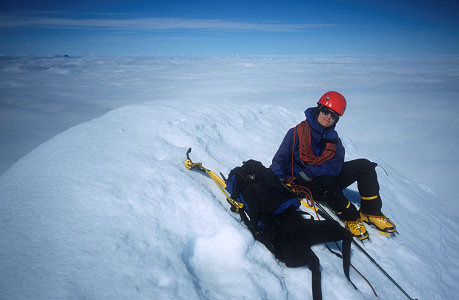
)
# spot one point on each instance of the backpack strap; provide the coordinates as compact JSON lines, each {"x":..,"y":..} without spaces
{"x":347,"y":259}
{"x":346,"y":256}
{"x":314,"y":266}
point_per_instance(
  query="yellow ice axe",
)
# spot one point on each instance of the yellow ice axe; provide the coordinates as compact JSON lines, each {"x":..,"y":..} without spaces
{"x":218,"y":181}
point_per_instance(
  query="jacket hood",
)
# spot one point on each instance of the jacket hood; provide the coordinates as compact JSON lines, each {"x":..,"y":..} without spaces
{"x":311,"y":116}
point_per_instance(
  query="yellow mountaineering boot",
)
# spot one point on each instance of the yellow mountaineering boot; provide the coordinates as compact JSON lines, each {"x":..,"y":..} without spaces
{"x":382,"y":223}
{"x":357,"y":229}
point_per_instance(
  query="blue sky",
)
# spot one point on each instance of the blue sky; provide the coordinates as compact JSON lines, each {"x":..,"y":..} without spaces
{"x":229,"y":27}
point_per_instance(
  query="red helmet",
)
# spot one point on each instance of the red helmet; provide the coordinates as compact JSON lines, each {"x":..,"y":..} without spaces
{"x":334,"y":101}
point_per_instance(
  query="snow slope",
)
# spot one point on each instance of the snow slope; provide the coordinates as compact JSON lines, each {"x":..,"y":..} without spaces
{"x":107,"y":210}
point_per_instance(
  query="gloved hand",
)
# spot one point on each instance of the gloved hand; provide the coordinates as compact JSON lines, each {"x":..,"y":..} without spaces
{"x":303,"y":179}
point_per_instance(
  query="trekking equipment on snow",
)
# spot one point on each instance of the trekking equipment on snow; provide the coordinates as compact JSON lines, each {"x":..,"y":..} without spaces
{"x":333,"y":100}
{"x":218,"y":181}
{"x":269,"y":211}
{"x":314,"y":263}
{"x":260,"y":192}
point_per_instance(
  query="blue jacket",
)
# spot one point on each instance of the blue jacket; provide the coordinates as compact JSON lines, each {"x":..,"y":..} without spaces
{"x":282,"y":164}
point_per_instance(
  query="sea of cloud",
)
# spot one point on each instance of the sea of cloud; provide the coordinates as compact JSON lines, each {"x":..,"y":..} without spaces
{"x":405,"y":107}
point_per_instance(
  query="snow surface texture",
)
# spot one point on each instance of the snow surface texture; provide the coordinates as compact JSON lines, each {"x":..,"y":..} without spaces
{"x":107,"y":210}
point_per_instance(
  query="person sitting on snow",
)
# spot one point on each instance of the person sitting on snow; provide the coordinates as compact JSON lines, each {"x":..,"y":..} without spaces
{"x":312,"y":155}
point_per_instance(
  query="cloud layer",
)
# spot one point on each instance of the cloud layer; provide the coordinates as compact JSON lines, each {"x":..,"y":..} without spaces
{"x":152,"y":23}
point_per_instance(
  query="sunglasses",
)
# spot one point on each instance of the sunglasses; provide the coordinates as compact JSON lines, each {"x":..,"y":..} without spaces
{"x":327,"y":111}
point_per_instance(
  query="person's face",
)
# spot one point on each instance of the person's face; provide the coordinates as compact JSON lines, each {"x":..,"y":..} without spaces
{"x":327,"y":117}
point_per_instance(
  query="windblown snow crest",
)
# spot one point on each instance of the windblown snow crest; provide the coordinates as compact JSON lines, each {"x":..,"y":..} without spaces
{"x":108,"y":210}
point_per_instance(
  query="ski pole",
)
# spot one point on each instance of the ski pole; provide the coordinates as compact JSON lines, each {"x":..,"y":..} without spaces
{"x":326,"y":215}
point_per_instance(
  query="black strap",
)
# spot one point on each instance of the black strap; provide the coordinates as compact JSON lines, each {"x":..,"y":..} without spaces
{"x":347,"y":259}
{"x":314,"y":266}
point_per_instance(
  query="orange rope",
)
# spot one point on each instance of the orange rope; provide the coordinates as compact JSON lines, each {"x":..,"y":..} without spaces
{"x":305,"y":148}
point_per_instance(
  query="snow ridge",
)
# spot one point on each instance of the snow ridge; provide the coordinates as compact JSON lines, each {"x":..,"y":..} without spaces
{"x":107,"y":210}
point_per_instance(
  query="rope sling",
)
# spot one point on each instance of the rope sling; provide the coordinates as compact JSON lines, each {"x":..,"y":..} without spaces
{"x":305,"y":147}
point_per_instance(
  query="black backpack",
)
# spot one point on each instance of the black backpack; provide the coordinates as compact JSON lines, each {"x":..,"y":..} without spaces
{"x":262,"y":194}
{"x":270,"y":212}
